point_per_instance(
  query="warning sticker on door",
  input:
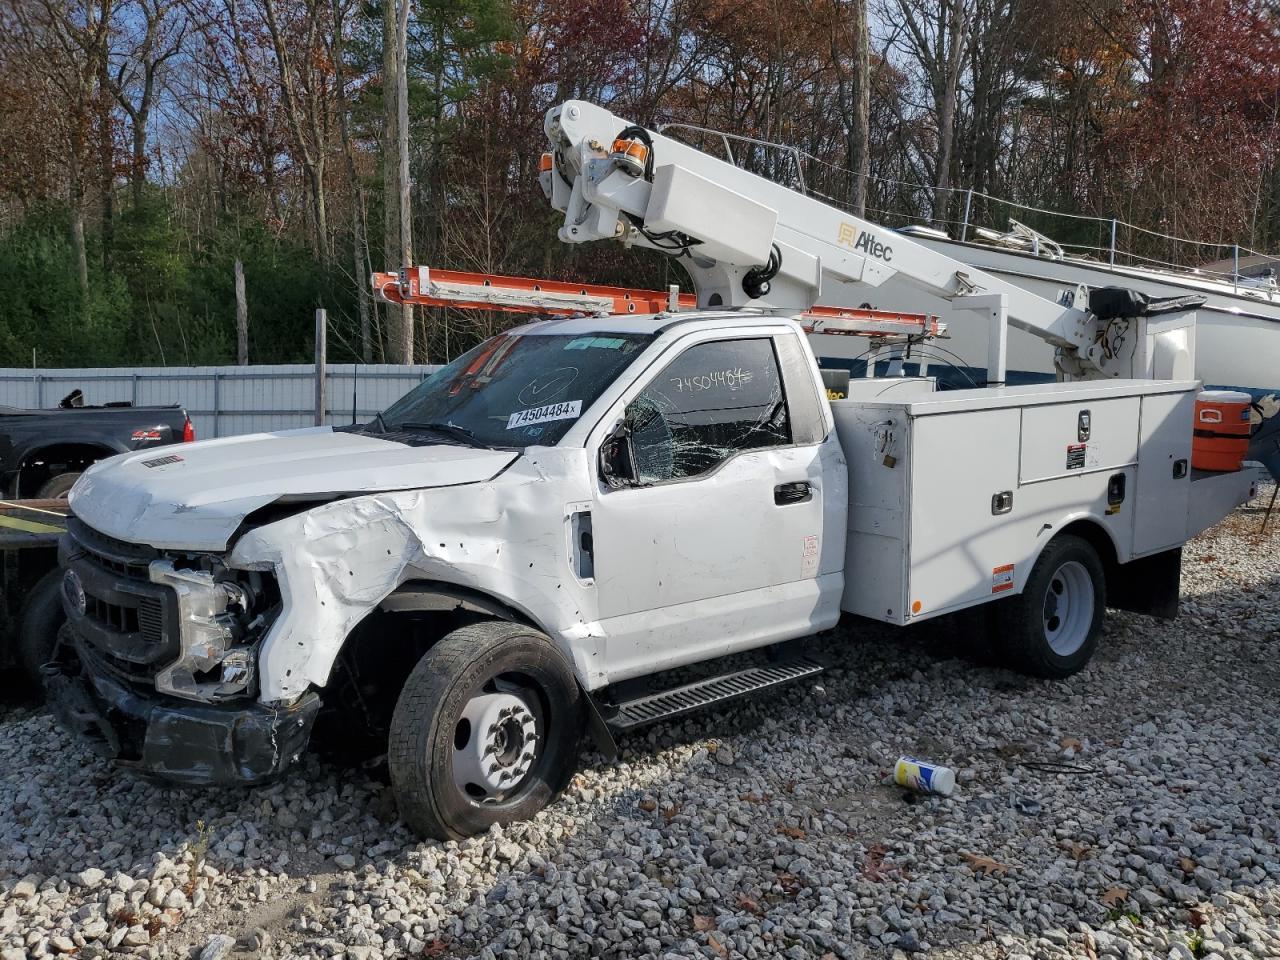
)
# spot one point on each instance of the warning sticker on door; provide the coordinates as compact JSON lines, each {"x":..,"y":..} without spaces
{"x":569,"y":410}
{"x":1075,"y":456}
{"x":1002,"y":578}
{"x":809,"y":559}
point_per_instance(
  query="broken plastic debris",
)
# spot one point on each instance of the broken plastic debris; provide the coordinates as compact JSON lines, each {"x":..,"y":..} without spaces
{"x":1027,"y":806}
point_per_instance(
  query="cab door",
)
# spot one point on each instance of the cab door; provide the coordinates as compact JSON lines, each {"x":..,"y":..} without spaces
{"x":718,"y":545}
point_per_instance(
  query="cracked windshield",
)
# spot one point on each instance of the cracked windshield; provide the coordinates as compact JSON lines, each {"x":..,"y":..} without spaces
{"x":515,"y":390}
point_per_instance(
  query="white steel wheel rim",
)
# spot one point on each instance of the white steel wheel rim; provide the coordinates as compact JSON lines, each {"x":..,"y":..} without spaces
{"x":495,"y":744}
{"x":1067,"y":612}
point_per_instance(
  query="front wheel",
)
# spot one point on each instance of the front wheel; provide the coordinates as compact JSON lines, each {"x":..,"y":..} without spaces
{"x":1052,"y":628}
{"x":485,"y":731}
{"x":42,"y":616}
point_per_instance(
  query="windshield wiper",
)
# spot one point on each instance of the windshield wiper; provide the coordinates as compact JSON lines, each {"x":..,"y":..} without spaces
{"x":449,"y":430}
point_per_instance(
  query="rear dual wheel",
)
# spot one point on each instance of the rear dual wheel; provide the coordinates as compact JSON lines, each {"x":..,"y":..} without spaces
{"x":1052,"y":628}
{"x":485,"y":731}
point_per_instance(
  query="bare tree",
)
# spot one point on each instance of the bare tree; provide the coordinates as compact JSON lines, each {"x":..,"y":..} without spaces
{"x":851,"y":62}
{"x":164,"y":27}
{"x":987,"y":147}
{"x":359,"y":229}
{"x":75,"y":38}
{"x":935,"y":35}
{"x":233,"y":102}
{"x":303,"y":90}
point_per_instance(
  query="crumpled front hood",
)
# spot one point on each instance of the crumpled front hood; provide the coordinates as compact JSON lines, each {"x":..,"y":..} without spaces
{"x":194,"y":496}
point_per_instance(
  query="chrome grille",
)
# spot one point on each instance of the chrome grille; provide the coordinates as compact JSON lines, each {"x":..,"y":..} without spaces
{"x":113,"y":616}
{"x":129,"y":620}
{"x":126,"y":559}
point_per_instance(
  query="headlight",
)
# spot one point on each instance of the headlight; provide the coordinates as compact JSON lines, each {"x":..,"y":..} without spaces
{"x":218,"y":633}
{"x":237,"y":668}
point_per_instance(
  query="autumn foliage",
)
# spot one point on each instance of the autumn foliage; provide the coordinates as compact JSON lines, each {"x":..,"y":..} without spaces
{"x":145,"y":145}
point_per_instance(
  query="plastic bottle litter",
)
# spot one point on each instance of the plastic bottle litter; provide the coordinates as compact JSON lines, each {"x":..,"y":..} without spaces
{"x":924,"y":776}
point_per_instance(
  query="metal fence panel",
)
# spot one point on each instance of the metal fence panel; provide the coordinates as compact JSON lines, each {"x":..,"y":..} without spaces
{"x":224,"y":401}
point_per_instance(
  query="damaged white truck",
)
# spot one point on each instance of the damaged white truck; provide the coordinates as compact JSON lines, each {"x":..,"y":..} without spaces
{"x":485,"y":571}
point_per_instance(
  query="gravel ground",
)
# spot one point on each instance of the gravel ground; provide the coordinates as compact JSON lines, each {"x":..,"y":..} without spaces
{"x":1131,"y":811}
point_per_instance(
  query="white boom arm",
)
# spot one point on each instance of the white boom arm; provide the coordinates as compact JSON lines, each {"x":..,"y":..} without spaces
{"x":726,"y":223}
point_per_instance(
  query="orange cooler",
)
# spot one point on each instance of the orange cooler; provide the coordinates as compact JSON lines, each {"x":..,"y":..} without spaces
{"x":1221,"y":437}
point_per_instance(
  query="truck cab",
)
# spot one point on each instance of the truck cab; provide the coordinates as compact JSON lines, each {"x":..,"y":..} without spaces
{"x":641,"y":491}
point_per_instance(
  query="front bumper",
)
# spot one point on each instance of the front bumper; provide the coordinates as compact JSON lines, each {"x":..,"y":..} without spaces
{"x":182,"y":742}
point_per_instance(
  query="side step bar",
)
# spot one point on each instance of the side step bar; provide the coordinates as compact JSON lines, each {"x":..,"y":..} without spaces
{"x":630,"y":714}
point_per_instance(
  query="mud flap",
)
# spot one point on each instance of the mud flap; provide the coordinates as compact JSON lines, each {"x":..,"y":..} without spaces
{"x":598,"y":728}
{"x":1149,"y":585}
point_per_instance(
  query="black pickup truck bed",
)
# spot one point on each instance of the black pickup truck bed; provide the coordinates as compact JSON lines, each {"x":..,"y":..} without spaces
{"x":42,"y":452}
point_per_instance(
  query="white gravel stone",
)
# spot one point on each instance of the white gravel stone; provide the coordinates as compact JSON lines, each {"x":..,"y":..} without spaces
{"x":217,"y":947}
{"x":90,"y":877}
{"x":785,"y":840}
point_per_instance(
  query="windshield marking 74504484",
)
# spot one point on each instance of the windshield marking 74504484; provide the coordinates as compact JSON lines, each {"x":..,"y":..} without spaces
{"x":568,"y":410}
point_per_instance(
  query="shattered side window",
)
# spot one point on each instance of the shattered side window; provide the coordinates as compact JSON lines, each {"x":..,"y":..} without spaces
{"x":711,"y":402}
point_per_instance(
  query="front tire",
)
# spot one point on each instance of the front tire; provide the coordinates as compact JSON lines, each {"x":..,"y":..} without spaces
{"x":1052,"y":628}
{"x":485,"y":731}
{"x":42,"y":616}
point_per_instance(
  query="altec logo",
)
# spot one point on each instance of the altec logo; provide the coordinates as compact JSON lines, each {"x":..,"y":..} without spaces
{"x":851,"y":237}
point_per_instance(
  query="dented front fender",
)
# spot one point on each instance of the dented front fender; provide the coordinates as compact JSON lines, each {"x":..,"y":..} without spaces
{"x":507,"y":538}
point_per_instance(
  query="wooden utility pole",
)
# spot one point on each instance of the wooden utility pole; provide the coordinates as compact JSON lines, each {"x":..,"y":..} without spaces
{"x":390,"y":145}
{"x":406,"y":218}
{"x":860,"y":135}
{"x":399,"y":325}
{"x":242,"y":318}
{"x":322,"y":327}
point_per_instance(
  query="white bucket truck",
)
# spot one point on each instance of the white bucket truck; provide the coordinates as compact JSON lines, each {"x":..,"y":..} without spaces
{"x":475,"y":576}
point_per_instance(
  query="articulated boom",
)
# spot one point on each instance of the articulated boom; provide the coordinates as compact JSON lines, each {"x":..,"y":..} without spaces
{"x":747,"y":241}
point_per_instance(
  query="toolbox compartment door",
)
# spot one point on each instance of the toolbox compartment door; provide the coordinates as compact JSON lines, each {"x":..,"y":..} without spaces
{"x":1164,"y":476}
{"x":1072,"y":439}
{"x":960,"y":547}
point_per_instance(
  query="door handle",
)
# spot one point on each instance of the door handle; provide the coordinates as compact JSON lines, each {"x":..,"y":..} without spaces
{"x":797,"y":492}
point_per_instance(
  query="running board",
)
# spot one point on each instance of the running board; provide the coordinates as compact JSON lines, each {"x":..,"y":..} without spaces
{"x":630,"y":714}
